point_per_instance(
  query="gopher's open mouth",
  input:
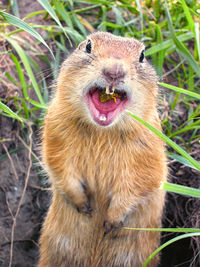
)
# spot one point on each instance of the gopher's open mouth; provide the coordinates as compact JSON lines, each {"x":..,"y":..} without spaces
{"x":106,"y":103}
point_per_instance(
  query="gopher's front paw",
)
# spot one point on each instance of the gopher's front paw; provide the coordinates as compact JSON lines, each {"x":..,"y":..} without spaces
{"x":85,"y":209}
{"x":111,"y":227}
{"x":79,"y":196}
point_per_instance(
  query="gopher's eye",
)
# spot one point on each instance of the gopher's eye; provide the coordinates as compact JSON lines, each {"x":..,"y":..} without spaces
{"x":141,"y":56}
{"x":89,"y":47}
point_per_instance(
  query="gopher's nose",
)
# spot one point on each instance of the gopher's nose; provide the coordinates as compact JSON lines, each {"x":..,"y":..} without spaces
{"x":114,"y":73}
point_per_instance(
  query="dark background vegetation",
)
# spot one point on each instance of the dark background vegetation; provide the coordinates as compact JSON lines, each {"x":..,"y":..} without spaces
{"x":171,"y":38}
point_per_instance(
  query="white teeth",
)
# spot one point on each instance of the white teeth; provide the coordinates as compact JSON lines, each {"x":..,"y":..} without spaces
{"x":110,"y":90}
{"x":107,"y":90}
{"x":102,"y":117}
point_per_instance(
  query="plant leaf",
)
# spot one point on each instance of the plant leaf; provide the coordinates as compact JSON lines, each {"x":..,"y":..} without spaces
{"x":181,"y":48}
{"x":181,"y":189}
{"x":180,"y":90}
{"x":181,"y":159}
{"x":27,"y":66}
{"x":11,"y":113}
{"x":168,"y":141}
{"x":24,"y":26}
{"x":168,"y":44}
{"x":168,"y":243}
{"x":46,"y":5}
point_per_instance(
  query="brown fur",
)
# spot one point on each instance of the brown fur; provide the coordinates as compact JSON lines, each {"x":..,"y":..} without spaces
{"x":117,"y":170}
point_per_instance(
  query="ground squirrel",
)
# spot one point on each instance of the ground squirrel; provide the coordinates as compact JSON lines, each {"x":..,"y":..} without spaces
{"x":105,"y":167}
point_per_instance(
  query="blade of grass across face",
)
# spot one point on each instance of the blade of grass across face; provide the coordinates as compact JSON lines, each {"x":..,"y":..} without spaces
{"x":167,"y":140}
{"x":24,"y":26}
{"x":181,"y":189}
{"x":168,"y":243}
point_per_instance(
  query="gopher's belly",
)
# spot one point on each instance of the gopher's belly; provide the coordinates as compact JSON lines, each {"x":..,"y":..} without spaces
{"x":78,"y":240}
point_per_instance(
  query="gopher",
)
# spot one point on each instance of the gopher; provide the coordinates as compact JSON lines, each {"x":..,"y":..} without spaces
{"x":105,"y":167}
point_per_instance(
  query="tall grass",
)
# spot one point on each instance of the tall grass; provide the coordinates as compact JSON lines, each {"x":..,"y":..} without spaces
{"x":167,"y":28}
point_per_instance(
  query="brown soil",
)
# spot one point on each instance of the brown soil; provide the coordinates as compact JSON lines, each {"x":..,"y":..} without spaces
{"x":14,"y":172}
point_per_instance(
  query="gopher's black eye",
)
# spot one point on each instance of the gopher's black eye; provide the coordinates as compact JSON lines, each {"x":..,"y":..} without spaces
{"x":141,"y":56}
{"x":89,"y":47}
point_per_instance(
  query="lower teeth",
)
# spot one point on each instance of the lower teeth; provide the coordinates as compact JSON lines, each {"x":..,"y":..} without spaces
{"x":102,"y":117}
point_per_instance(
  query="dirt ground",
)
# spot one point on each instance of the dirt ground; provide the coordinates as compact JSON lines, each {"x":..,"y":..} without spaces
{"x":14,"y":171}
{"x":25,"y":196}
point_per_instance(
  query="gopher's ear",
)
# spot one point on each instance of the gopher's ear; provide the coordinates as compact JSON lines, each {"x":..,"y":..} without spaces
{"x":81,"y":45}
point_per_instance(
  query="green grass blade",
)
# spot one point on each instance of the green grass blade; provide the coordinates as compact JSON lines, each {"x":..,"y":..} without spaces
{"x":138,"y":3}
{"x":180,"y":90}
{"x":197,"y":37}
{"x":78,"y":23}
{"x":191,"y":126}
{"x":188,"y":15}
{"x":167,"y":244}
{"x":24,"y":26}
{"x":161,"y":54}
{"x":10,"y":151}
{"x":168,"y":141}
{"x":63,"y":13}
{"x":35,"y":13}
{"x":8,"y":111}
{"x":113,"y":25}
{"x":15,"y":8}
{"x":20,"y":74}
{"x":181,"y":189}
{"x":168,"y":44}
{"x":84,"y":9}
{"x":187,"y":55}
{"x":102,"y":2}
{"x":181,"y":160}
{"x":46,"y":5}
{"x":37,"y":104}
{"x":10,"y":78}
{"x":27,"y":66}
{"x":181,"y":48}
